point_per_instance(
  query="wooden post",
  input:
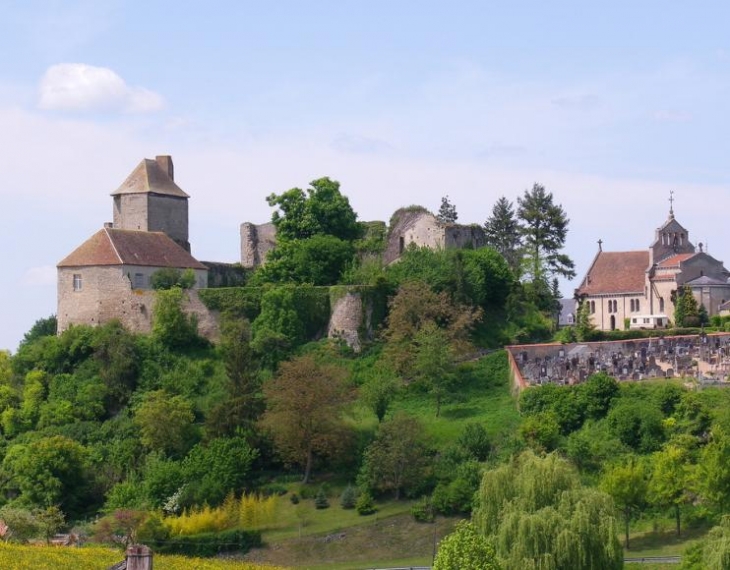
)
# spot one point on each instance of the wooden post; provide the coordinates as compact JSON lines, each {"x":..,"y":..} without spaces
{"x":139,"y":557}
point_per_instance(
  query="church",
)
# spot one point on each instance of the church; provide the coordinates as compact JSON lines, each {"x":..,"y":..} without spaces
{"x":639,"y":287}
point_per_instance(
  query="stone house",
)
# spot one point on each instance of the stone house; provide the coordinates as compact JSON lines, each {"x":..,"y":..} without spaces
{"x":628,"y":284}
{"x":108,"y":276}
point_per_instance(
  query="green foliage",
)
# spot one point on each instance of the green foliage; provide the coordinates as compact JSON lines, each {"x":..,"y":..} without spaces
{"x":434,"y":362}
{"x":465,"y":548}
{"x":48,"y":471}
{"x":686,"y":310}
{"x":318,"y":260}
{"x":209,"y":544}
{"x":41,"y":328}
{"x":217,"y":468}
{"x":503,"y":233}
{"x":637,"y":424}
{"x":534,"y":509}
{"x":241,"y":302}
{"x":475,"y":441}
{"x":627,"y":484}
{"x":169,"y":277}
{"x":365,"y":504}
{"x":422,"y":510}
{"x":670,"y":478}
{"x":711,"y":553}
{"x":22,"y":524}
{"x":172,"y":326}
{"x":398,"y":458}
{"x":378,"y":392}
{"x":447,"y":212}
{"x":544,"y":227}
{"x":540,"y":432}
{"x":322,"y":210}
{"x":348,"y":498}
{"x":305,"y":403}
{"x":320,"y":500}
{"x":165,"y":422}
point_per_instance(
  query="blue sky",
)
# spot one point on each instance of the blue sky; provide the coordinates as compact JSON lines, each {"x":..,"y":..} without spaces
{"x":609,"y":106}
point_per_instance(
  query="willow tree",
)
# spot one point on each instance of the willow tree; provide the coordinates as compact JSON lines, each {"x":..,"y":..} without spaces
{"x":538,"y":515}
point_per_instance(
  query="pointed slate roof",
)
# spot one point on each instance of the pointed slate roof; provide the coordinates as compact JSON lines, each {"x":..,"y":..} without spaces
{"x":127,"y":247}
{"x":150,"y":178}
{"x":616,"y":272}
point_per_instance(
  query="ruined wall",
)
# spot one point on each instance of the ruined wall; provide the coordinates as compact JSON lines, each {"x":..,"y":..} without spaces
{"x":256,"y":242}
{"x":458,"y":236}
{"x":346,"y":320}
{"x":412,"y":225}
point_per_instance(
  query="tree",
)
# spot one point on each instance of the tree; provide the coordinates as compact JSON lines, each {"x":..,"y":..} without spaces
{"x":378,"y":392}
{"x":413,"y":307}
{"x":670,"y":477}
{"x":537,"y":513}
{"x":165,"y":422}
{"x":214,"y":470}
{"x":714,"y":470}
{"x":627,"y":483}
{"x":397,"y":459}
{"x":503,"y":233}
{"x":169,"y":277}
{"x":304,"y":403}
{"x":50,"y":520}
{"x":317,"y":260}
{"x":116,"y":353}
{"x":638,"y":424}
{"x":48,"y":471}
{"x":243,"y":401}
{"x":434,"y":365}
{"x":584,"y":326}
{"x":544,"y":227}
{"x":278,"y":328}
{"x":170,"y":323}
{"x":686,"y":310}
{"x":447,"y":212}
{"x":322,"y":210}
{"x":41,"y":328}
{"x":465,"y":548}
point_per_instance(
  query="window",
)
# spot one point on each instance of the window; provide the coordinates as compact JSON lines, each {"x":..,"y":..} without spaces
{"x":636,"y":304}
{"x":661,"y":304}
{"x":139,"y":281}
{"x":77,"y":281}
{"x":632,"y":305}
{"x":593,"y":306}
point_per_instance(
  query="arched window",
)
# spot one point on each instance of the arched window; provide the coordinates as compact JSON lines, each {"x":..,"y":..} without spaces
{"x":615,"y":305}
{"x":661,"y":304}
{"x":632,"y":305}
{"x":593,"y":306}
{"x":637,"y":305}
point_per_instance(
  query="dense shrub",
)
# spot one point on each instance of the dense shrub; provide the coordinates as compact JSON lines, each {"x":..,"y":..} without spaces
{"x":210,"y":543}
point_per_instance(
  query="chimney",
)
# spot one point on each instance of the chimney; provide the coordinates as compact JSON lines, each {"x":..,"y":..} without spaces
{"x":165,"y":162}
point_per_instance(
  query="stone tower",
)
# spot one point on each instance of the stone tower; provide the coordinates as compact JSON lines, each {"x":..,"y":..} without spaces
{"x":149,"y":200}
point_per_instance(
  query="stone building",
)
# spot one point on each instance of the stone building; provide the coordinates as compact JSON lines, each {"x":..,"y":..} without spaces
{"x":642,"y":284}
{"x":256,"y":242}
{"x":108,"y":276}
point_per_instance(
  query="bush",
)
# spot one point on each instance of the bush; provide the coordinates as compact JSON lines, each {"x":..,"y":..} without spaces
{"x":294,"y":499}
{"x":321,"y":501}
{"x":422,"y":510}
{"x":210,"y":543}
{"x":348,"y":499}
{"x":365,"y":504}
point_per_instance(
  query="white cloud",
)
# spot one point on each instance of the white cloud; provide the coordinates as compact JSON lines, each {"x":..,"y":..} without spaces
{"x":81,"y":87}
{"x":41,"y":276}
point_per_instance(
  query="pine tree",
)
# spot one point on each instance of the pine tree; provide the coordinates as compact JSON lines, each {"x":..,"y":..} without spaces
{"x":321,"y":501}
{"x":447,"y":212}
{"x":348,"y":499}
{"x":503,"y":233}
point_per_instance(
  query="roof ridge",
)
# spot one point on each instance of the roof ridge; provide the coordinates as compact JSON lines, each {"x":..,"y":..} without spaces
{"x":114,"y":247}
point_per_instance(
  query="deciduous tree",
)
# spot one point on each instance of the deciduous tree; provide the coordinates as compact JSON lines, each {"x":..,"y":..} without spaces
{"x":627,"y":483}
{"x":465,"y":548}
{"x":304,"y":406}
{"x":398,"y":458}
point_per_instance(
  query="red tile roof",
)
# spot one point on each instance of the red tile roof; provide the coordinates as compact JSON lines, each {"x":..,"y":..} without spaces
{"x":149,"y":177}
{"x":675,"y":260}
{"x":616,"y":272}
{"x":126,"y":247}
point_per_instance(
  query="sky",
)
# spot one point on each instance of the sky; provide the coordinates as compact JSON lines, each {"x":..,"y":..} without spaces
{"x":609,"y":105}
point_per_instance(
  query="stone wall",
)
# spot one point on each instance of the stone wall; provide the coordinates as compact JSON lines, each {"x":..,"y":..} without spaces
{"x":106,"y":294}
{"x":256,"y":242}
{"x":225,"y":274}
{"x":346,"y":320}
{"x":169,"y":214}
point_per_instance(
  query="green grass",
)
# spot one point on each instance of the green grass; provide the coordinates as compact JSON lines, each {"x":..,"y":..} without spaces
{"x":482,"y":394}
